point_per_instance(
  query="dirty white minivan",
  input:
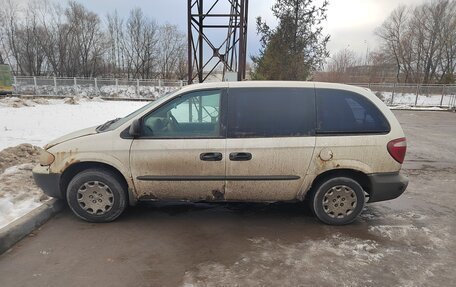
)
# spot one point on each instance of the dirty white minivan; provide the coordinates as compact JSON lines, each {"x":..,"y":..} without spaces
{"x":337,"y":146}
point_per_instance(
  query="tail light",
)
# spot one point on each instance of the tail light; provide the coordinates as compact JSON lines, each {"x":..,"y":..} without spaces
{"x":397,"y":149}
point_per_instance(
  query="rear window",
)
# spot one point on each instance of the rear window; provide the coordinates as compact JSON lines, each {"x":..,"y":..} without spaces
{"x":345,"y":112}
{"x":271,"y":112}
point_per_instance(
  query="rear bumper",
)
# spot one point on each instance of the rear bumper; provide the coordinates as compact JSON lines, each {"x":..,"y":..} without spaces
{"x":48,"y":182}
{"x":386,"y":186}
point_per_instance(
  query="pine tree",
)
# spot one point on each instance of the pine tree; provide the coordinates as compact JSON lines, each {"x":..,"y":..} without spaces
{"x":297,"y":46}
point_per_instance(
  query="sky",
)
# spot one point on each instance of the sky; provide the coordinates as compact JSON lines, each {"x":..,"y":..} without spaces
{"x":350,"y":23}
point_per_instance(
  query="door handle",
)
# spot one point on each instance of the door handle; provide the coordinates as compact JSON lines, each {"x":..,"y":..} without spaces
{"x":211,"y":156}
{"x":240,"y":156}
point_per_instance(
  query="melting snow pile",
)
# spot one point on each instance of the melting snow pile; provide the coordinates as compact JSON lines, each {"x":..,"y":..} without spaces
{"x":18,"y":193}
{"x":38,"y":121}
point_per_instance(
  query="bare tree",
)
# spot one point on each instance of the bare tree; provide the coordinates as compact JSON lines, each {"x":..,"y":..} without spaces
{"x":31,"y":59}
{"x":448,"y":39}
{"x":43,"y":37}
{"x":140,"y":45}
{"x":9,"y":15}
{"x":172,"y":46}
{"x":86,"y":41}
{"x":19,"y":41}
{"x":341,"y":67}
{"x":53,"y":42}
{"x":181,"y":69}
{"x":140,"y":48}
{"x":342,"y":60}
{"x":392,"y":33}
{"x":116,"y":43}
{"x":421,"y":41}
{"x":2,"y":47}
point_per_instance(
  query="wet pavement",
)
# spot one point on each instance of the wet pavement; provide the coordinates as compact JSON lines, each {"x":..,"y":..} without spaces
{"x":405,"y":242}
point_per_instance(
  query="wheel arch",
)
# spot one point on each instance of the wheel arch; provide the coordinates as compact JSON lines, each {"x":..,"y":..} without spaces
{"x":354,"y":174}
{"x":78,"y":167}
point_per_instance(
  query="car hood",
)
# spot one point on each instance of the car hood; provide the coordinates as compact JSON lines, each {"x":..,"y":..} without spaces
{"x":70,"y":136}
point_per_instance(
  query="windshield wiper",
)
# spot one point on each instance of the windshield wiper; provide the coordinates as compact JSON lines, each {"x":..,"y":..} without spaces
{"x":107,"y":124}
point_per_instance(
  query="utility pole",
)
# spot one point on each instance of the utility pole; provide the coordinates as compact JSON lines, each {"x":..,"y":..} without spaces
{"x":206,"y":52}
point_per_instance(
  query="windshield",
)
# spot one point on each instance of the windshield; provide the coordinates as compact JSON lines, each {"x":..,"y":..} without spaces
{"x":118,"y":122}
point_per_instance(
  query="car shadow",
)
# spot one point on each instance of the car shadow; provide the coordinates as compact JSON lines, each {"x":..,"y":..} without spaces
{"x":285,"y":221}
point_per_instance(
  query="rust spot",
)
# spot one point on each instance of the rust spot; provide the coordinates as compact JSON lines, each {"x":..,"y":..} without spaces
{"x":65,"y":158}
{"x":218,"y":195}
{"x":68,"y":163}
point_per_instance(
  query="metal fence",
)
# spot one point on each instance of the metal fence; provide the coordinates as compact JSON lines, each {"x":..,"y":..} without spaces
{"x":393,"y":94}
{"x":108,"y":88}
{"x":414,"y":95}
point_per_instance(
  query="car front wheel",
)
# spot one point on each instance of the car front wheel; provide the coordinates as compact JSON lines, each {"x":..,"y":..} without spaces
{"x":96,"y":196}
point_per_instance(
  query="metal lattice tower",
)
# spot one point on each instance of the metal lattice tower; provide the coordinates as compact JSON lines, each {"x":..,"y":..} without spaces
{"x":207,"y":50}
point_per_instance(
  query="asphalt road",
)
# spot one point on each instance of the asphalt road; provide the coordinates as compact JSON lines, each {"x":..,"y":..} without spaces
{"x":405,"y":242}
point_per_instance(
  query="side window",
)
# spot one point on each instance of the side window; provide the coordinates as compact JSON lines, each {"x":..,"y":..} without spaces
{"x":340,"y":111}
{"x":195,"y":114}
{"x":271,"y":112}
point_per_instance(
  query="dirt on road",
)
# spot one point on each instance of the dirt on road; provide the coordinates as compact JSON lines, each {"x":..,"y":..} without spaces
{"x":408,"y":241}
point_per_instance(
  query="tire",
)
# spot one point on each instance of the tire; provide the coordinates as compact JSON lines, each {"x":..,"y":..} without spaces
{"x":96,"y":195}
{"x":337,"y":201}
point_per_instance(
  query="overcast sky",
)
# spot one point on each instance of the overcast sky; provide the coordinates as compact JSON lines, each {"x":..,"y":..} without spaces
{"x":351,"y":23}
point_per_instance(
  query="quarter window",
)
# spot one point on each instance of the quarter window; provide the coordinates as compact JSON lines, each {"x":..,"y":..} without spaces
{"x":271,"y":112}
{"x":340,"y":111}
{"x":195,"y":114}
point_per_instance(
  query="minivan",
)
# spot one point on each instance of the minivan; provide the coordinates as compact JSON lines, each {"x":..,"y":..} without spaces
{"x":335,"y":146}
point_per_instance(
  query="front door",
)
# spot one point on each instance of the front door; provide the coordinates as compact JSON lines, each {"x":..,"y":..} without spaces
{"x":181,"y":151}
{"x":270,"y":142}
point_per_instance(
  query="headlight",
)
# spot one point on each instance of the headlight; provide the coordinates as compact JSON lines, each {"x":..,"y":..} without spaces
{"x":46,"y":158}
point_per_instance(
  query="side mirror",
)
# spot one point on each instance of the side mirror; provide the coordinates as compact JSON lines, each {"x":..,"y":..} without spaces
{"x":135,"y":128}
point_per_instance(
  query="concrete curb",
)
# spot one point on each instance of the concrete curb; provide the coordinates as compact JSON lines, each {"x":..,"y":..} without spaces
{"x":18,"y":229}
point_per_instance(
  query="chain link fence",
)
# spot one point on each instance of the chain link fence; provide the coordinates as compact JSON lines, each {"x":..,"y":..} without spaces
{"x":411,"y":95}
{"x":414,"y":95}
{"x":106,"y":88}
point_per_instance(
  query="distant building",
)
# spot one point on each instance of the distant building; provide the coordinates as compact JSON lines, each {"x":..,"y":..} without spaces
{"x":359,"y":74}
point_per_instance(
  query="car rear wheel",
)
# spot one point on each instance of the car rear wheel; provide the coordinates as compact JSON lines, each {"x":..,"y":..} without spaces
{"x":337,"y":201}
{"x":96,"y":196}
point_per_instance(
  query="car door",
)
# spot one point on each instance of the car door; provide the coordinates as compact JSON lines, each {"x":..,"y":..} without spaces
{"x":270,"y":142}
{"x":181,"y":151}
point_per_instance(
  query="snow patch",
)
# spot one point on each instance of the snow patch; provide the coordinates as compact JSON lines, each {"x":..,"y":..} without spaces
{"x":275,"y":263}
{"x":410,"y":234}
{"x":40,"y":124}
{"x":11,"y":210}
{"x":18,"y":193}
{"x":409,"y":99}
{"x":11,"y":170}
{"x":144,"y":90}
{"x":340,"y":259}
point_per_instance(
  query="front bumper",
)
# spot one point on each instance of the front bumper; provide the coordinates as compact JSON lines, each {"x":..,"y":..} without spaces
{"x":386,"y":186}
{"x":47,"y":181}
